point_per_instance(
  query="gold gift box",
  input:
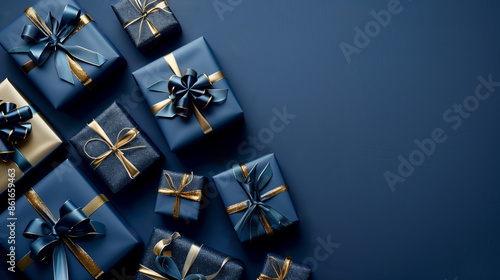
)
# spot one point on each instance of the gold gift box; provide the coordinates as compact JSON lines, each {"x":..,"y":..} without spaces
{"x":40,"y":142}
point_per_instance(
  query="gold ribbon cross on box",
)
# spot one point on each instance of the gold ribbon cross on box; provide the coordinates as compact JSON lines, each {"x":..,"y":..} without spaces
{"x":179,"y":193}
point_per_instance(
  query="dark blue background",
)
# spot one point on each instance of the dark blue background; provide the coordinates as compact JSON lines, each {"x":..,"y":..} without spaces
{"x":352,"y":122}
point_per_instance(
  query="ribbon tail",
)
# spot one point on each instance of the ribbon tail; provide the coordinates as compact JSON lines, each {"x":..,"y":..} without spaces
{"x":153,"y":29}
{"x":219,"y":95}
{"x":60,"y":263}
{"x":151,"y":273}
{"x":63,"y":68}
{"x":202,"y":121}
{"x":85,"y":55}
{"x":131,"y":169}
{"x":23,"y":49}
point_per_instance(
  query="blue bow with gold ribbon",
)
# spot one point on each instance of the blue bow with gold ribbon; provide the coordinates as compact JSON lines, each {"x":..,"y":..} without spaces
{"x":50,"y":235}
{"x":11,"y":130}
{"x":47,"y":37}
{"x":256,"y":209}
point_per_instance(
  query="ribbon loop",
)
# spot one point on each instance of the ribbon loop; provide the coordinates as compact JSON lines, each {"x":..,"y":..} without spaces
{"x":179,"y":192}
{"x":12,"y":131}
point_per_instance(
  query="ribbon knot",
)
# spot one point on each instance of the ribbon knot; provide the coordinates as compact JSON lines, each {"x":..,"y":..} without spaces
{"x":280,"y":271}
{"x":12,"y":131}
{"x":47,"y":37}
{"x":116,"y":148}
{"x":145,"y":12}
{"x":179,"y":192}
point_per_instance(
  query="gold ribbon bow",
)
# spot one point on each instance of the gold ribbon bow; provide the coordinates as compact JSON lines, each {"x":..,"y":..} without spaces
{"x":194,"y":250}
{"x":114,"y":148}
{"x":44,"y":212}
{"x":281,"y":273}
{"x":215,"y":77}
{"x":75,"y":67}
{"x":191,"y":195}
{"x":143,"y":9}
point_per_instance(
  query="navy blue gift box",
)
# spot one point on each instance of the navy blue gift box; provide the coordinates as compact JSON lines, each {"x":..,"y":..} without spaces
{"x":179,"y":195}
{"x":45,"y":207}
{"x":188,"y":94}
{"x":184,"y":255}
{"x":256,"y":198}
{"x":277,"y":267}
{"x":70,"y":62}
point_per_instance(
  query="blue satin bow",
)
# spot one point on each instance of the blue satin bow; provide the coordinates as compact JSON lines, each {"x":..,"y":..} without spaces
{"x":49,"y":36}
{"x":186,"y":92}
{"x":11,"y":131}
{"x":166,"y":265}
{"x":257,"y":210}
{"x":49,"y":236}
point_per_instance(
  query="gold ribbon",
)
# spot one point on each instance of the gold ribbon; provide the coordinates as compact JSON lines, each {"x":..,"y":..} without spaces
{"x":75,"y":67}
{"x":143,"y":9}
{"x":194,"y":250}
{"x":282,"y":272}
{"x":242,"y":206}
{"x":178,"y":194}
{"x":44,"y":212}
{"x":114,"y":148}
{"x":202,"y":121}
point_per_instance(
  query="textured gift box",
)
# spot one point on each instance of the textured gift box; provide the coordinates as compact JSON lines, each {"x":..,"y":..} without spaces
{"x":232,"y":193}
{"x":180,"y":132}
{"x":61,"y":93}
{"x":63,"y":183}
{"x":207,"y":262}
{"x":40,"y":143}
{"x":276,"y":263}
{"x":111,"y":170}
{"x":134,"y":16}
{"x":189,"y":204}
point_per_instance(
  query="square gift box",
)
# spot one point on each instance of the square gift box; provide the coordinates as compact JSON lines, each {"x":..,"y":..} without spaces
{"x":147,"y":22}
{"x":36,"y":139}
{"x":66,"y":199}
{"x":256,"y":198}
{"x":115,"y":147}
{"x":66,"y":59}
{"x":277,"y":267}
{"x":180,"y":252}
{"x":179,"y":195}
{"x":188,"y":94}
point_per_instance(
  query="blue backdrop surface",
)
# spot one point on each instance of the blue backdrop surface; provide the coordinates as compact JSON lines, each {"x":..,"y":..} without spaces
{"x":383,"y":115}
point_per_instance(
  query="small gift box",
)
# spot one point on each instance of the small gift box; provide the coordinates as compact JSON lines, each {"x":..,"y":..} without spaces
{"x":169,"y":255}
{"x":70,"y":230}
{"x":191,"y":104}
{"x":147,"y":22}
{"x":25,"y":136}
{"x":179,"y":195}
{"x":256,"y":198}
{"x":55,"y":42}
{"x":114,"y":146}
{"x":278,"y":268}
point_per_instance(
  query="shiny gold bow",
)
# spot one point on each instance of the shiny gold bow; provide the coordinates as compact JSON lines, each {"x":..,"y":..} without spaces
{"x":191,"y":195}
{"x":281,"y":273}
{"x":114,"y":148}
{"x":143,"y":9}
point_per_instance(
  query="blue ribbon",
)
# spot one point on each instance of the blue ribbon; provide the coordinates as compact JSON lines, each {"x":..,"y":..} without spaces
{"x":49,"y":235}
{"x":12,"y":131}
{"x":47,"y":37}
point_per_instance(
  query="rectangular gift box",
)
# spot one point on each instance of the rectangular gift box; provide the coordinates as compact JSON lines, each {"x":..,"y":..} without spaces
{"x":39,"y":144}
{"x":287,"y":268}
{"x":147,"y":22}
{"x":138,"y":153}
{"x":181,"y":131}
{"x":274,"y":194}
{"x":179,"y":195}
{"x":65,"y":183}
{"x":207,"y":262}
{"x":86,"y":76}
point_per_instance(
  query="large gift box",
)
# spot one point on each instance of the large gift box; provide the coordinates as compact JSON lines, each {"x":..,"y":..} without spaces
{"x":256,"y":198}
{"x":277,"y":267}
{"x":147,"y":22}
{"x":115,"y":147}
{"x":64,"y":226}
{"x":25,"y":138}
{"x":179,"y":195}
{"x":60,"y":49}
{"x":169,"y":255}
{"x":188,"y":94}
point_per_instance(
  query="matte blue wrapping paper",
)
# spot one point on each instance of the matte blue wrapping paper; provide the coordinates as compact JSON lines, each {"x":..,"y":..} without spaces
{"x":187,"y":208}
{"x":232,"y":193}
{"x":63,"y":183}
{"x":275,"y":263}
{"x":207,"y":262}
{"x":179,"y":132}
{"x":61,"y":93}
